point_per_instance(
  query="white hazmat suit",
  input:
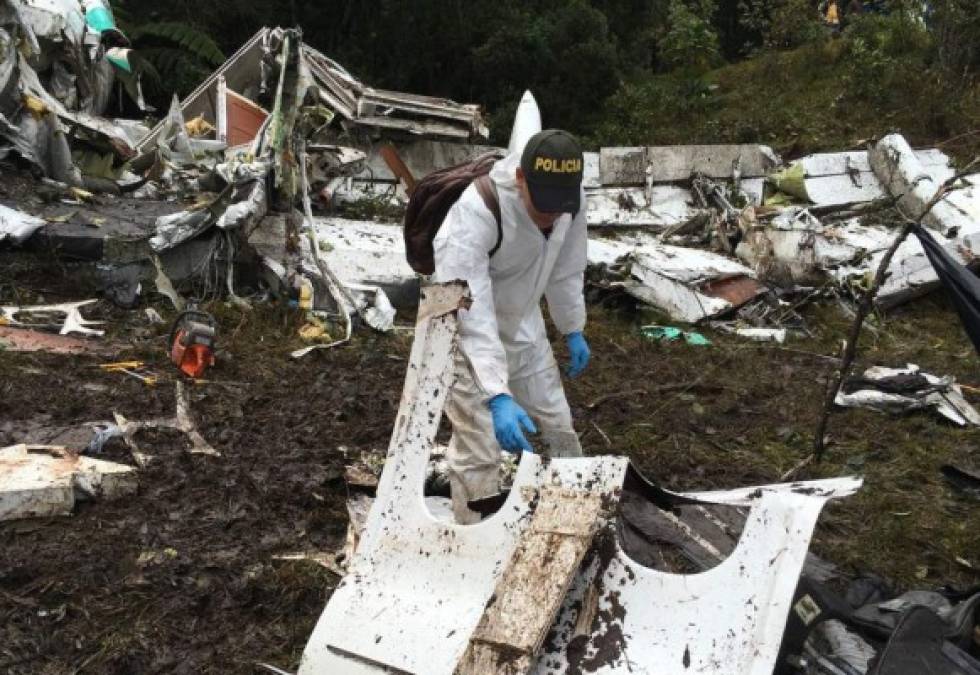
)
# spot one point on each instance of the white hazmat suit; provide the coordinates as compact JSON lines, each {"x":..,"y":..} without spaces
{"x":504,"y":348}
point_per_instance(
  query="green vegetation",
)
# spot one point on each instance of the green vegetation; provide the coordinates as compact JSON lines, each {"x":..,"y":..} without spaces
{"x":880,"y":75}
{"x":625,"y":71}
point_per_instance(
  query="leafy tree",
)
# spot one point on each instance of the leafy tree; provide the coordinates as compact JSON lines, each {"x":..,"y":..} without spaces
{"x":563,"y":54}
{"x":782,"y":24}
{"x":172,"y":56}
{"x":690,"y":42}
{"x":956,"y":26}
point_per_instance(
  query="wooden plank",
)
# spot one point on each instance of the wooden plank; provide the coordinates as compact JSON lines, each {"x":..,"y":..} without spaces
{"x":532,"y":588}
{"x":390,"y":155}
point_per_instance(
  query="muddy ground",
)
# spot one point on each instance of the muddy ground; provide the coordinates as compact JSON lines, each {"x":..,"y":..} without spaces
{"x":184,"y":576}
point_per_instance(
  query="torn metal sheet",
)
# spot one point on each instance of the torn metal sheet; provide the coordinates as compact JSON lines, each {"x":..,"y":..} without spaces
{"x":673,"y":163}
{"x":66,"y":316}
{"x":176,"y":228}
{"x":910,"y":273}
{"x":54,"y":20}
{"x":901,"y":390}
{"x":361,"y":106}
{"x":17,"y":226}
{"x":659,"y":209}
{"x":375,"y":620}
{"x":38,"y":481}
{"x":419,"y":588}
{"x":794,"y":247}
{"x":622,"y":617}
{"x":900,"y":170}
{"x":688,"y":284}
{"x":242,"y":73}
{"x":368,"y":254}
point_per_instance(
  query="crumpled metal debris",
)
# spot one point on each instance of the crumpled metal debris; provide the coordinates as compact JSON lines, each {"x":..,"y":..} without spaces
{"x":616,"y":616}
{"x":690,"y":285}
{"x":44,"y":481}
{"x":901,"y":390}
{"x":62,"y":40}
{"x":66,"y":316}
{"x":17,"y":226}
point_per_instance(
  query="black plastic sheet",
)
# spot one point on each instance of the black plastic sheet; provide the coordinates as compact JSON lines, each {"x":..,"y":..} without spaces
{"x":961,"y":284}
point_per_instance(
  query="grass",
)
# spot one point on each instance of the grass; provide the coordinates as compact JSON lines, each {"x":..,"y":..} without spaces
{"x":830,"y":95}
{"x":750,"y":416}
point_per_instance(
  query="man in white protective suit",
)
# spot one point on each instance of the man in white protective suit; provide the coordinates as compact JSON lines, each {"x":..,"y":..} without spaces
{"x":507,"y":381}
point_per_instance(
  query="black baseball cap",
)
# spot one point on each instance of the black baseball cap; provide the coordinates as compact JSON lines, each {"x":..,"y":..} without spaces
{"x":552,"y":166}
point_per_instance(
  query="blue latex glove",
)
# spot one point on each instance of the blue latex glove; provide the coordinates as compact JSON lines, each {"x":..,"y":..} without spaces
{"x":578,"y":348}
{"x":508,"y":417}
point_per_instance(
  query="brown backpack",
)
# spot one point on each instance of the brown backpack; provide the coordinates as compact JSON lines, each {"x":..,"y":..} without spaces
{"x":431,"y":200}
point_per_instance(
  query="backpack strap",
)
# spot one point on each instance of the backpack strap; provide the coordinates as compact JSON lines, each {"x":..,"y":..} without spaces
{"x":488,"y":193}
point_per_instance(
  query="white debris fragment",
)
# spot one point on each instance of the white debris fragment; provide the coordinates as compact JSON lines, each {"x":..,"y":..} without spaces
{"x":777,"y":335}
{"x":68,"y":315}
{"x":795,"y":247}
{"x":527,"y":122}
{"x":41,"y":481}
{"x":663,"y":207}
{"x":688,"y":284}
{"x":899,"y":168}
{"x":900,"y":390}
{"x":442,"y":616}
{"x":18,"y":226}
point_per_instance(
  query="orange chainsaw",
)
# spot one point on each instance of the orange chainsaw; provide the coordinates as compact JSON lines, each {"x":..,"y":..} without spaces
{"x":192,"y":338}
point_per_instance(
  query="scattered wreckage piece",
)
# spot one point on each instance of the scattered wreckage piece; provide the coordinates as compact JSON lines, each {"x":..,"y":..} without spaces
{"x":690,"y":285}
{"x":363,"y":253}
{"x":870,"y":631}
{"x":900,"y":390}
{"x":674,"y":163}
{"x":43,"y":128}
{"x":247,"y":77}
{"x":26,"y":340}
{"x":777,"y":335}
{"x":66,"y":316}
{"x":727,"y":619}
{"x":527,"y":122}
{"x":243,"y":73}
{"x":662,"y":208}
{"x":365,"y":106}
{"x":618,"y":616}
{"x":17,"y":226}
{"x":910,"y":274}
{"x":920,"y":645}
{"x":38,"y":481}
{"x":795,"y":247}
{"x":181,"y":421}
{"x":835,"y":179}
{"x":904,"y":175}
